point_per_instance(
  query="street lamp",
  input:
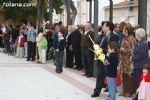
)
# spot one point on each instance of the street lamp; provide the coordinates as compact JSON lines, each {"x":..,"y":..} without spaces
{"x":68,"y":13}
{"x":142,"y":13}
{"x":111,"y":11}
{"x":96,"y":3}
{"x":50,"y":12}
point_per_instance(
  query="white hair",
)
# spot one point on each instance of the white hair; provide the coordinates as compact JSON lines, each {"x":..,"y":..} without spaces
{"x":141,"y":33}
{"x":88,"y":24}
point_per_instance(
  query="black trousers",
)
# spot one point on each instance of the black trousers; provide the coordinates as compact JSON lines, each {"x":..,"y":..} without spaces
{"x":69,"y":58}
{"x":59,"y":60}
{"x":48,"y":50}
{"x":31,"y":50}
{"x":100,"y":77}
{"x":88,"y":61}
{"x":78,"y":59}
{"x":1,"y":42}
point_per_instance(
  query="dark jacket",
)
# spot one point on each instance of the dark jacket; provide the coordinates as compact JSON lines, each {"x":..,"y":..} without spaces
{"x":68,"y":41}
{"x":76,"y":40}
{"x":140,"y":54}
{"x":113,"y":59}
{"x":54,"y":37}
{"x":102,"y":40}
{"x":60,"y":44}
{"x":86,"y":42}
{"x":113,"y":37}
{"x":120,"y":38}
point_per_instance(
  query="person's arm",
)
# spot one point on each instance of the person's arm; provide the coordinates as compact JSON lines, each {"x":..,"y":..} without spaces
{"x":55,"y":40}
{"x":63,"y":43}
{"x":141,"y":52}
{"x":112,"y":60}
{"x":90,"y":44}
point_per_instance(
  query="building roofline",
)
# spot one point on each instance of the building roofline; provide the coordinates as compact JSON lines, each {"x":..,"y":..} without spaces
{"x":124,"y":4}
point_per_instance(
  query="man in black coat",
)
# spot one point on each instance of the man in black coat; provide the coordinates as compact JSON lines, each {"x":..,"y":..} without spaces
{"x":76,"y":46}
{"x":69,"y":52}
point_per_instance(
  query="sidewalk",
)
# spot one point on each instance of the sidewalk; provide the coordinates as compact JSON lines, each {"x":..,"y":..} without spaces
{"x":21,"y":80}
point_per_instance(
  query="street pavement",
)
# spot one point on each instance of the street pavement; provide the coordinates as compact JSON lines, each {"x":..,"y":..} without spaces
{"x":22,"y":80}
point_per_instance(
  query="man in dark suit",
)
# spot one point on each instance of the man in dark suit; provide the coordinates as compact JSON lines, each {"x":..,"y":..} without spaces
{"x":76,"y":46}
{"x":107,"y":36}
{"x":69,"y":52}
{"x":87,"y":54}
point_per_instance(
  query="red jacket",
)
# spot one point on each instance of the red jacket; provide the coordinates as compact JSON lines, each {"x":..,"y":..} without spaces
{"x":145,"y":78}
{"x":22,"y":41}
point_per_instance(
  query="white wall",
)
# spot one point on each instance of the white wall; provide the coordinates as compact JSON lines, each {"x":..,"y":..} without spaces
{"x":102,"y":4}
{"x":83,"y":14}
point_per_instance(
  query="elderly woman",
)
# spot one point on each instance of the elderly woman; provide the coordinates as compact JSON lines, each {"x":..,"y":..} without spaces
{"x":140,"y":55}
{"x":126,"y":51}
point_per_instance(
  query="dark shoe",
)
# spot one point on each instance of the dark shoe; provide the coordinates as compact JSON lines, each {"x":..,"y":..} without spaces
{"x":27,"y":60}
{"x":38,"y":62}
{"x":74,"y":67}
{"x":106,"y":90}
{"x":95,"y":95}
{"x":79,"y":69}
{"x":89,"y":75}
{"x":84,"y":75}
{"x":32,"y":60}
{"x":58,"y":71}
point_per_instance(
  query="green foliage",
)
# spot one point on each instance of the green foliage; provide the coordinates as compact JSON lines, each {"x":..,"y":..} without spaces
{"x":30,"y":12}
{"x":14,"y":12}
{"x":57,"y":4}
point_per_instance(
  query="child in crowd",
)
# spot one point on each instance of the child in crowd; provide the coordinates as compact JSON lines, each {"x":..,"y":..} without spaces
{"x":111,"y":64}
{"x":43,"y":48}
{"x":144,"y":88}
{"x":20,"y":45}
{"x":38,"y":41}
{"x":59,"y":52}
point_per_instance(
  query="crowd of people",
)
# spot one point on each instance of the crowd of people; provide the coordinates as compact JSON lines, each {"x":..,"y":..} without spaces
{"x":125,"y":48}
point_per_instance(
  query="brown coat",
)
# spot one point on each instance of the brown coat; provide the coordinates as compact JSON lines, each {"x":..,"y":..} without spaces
{"x":128,"y":44}
{"x":86,"y":42}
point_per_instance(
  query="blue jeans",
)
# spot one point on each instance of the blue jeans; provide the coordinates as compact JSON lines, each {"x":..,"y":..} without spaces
{"x":111,"y":88}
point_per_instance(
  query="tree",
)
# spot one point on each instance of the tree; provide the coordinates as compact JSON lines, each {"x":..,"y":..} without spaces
{"x":15,"y":13}
{"x":71,"y":11}
{"x":50,"y":5}
{"x":39,"y":12}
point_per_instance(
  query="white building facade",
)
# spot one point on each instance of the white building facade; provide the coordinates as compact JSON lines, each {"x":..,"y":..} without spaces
{"x":82,"y":7}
